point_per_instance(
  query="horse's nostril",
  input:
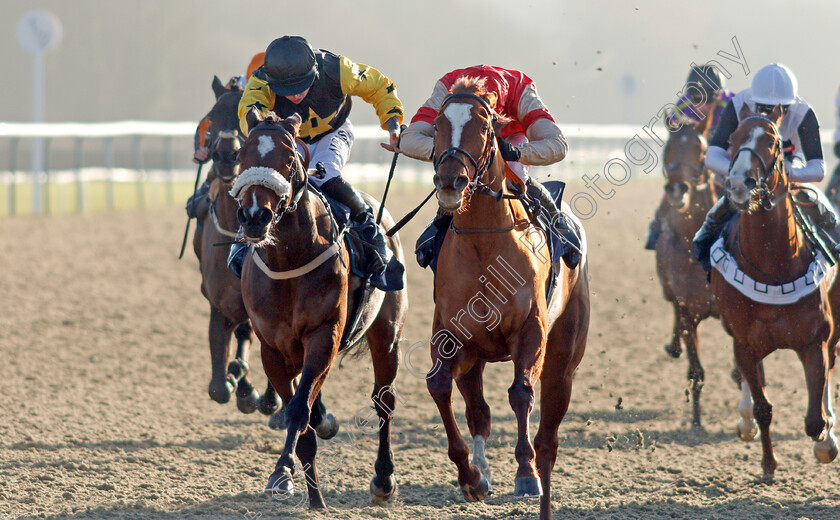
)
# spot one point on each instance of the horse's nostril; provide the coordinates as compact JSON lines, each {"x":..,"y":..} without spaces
{"x":461,"y":182}
{"x":437,"y":182}
{"x":750,"y":183}
{"x":241,"y":216}
{"x":262,"y":217}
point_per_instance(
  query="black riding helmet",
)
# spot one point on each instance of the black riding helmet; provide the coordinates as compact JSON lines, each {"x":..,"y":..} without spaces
{"x":707,"y":78}
{"x":290,"y":65}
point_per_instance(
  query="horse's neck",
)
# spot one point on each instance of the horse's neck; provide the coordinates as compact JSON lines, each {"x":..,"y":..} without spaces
{"x":226,"y":207}
{"x":772,"y":243}
{"x":298,"y":237}
{"x":483,"y":211}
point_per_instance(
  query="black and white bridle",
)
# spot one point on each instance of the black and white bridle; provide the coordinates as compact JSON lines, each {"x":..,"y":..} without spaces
{"x":764,"y":192}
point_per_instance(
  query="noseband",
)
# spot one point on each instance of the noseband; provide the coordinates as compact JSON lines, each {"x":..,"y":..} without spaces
{"x":488,"y":153}
{"x":288,"y":204}
{"x":764,"y":192}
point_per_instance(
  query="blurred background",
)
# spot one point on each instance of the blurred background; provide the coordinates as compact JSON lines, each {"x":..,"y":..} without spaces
{"x":597,"y":62}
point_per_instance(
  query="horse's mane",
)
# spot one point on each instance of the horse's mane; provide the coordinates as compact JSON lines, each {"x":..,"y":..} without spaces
{"x":478,"y":87}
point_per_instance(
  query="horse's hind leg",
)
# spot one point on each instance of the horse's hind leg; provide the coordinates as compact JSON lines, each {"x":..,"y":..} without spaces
{"x":478,"y":417}
{"x":674,"y":348}
{"x":220,"y":330}
{"x":247,"y":398}
{"x":819,"y":418}
{"x":325,"y":424}
{"x":696,"y":375}
{"x":269,"y":402}
{"x":473,"y":484}
{"x":383,"y":339}
{"x":752,"y":373}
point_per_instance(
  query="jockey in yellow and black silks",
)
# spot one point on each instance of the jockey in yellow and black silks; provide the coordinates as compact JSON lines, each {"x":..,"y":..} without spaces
{"x":318,"y":86}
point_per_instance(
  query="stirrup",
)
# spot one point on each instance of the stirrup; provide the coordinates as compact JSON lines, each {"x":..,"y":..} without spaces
{"x":236,"y":258}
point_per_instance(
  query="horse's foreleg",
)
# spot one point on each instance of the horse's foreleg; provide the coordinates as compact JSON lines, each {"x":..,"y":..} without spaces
{"x":219,"y":332}
{"x":752,"y":372}
{"x":674,"y":349}
{"x":478,"y":416}
{"x":554,"y":402}
{"x":268,"y":402}
{"x":527,"y":353}
{"x":817,"y":425}
{"x":246,"y":396}
{"x":384,"y":349}
{"x":696,"y":375}
{"x":474,"y":486}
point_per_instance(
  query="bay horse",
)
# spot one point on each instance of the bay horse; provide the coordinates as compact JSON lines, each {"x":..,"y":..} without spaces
{"x":769,"y":254}
{"x":299,"y":294}
{"x":475,"y":322}
{"x":218,"y":284}
{"x":689,"y":194}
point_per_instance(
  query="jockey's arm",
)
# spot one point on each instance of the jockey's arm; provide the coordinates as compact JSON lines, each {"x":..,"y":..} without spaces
{"x":546,"y":142}
{"x":717,"y":156}
{"x":809,"y":136}
{"x":418,"y":140}
{"x":257,"y":94}
{"x":364,"y":81}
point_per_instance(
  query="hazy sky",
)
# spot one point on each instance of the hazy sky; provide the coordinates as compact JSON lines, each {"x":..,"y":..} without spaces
{"x":155,"y":59}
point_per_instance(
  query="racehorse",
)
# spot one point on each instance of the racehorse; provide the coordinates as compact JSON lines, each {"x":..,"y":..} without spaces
{"x":299,"y":293}
{"x":689,"y":194}
{"x":490,"y":302}
{"x":218,"y":284}
{"x":769,"y":257}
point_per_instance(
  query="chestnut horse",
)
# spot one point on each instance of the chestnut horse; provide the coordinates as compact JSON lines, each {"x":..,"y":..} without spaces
{"x":218,"y":284}
{"x":689,"y":194}
{"x":771,"y":255}
{"x":490,"y":302}
{"x":299,"y":294}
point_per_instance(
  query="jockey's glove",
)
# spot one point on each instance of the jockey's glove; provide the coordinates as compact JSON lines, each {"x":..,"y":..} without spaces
{"x":509,"y":151}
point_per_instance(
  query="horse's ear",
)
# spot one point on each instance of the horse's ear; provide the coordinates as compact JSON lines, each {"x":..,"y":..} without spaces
{"x":218,"y":88}
{"x":671,"y":121}
{"x":776,"y":114}
{"x":492,"y":99}
{"x":253,"y":118}
{"x":704,"y":124}
{"x":294,"y":121}
{"x":745,"y":112}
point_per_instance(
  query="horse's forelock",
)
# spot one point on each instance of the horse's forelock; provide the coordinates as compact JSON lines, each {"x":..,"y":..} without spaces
{"x":470,"y":85}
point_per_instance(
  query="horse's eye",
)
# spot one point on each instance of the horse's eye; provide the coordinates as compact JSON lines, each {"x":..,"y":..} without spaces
{"x":484,"y":127}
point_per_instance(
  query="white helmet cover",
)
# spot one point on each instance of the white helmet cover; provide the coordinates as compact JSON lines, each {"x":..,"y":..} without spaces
{"x":774,"y":84}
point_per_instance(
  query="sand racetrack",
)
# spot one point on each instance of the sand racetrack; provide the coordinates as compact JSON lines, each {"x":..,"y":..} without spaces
{"x":105,"y":410}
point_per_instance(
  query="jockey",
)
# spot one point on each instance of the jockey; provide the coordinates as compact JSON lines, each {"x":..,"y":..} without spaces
{"x":531,"y":138}
{"x":834,"y":183}
{"x":317,"y":85}
{"x":772,"y":85}
{"x":196,"y":204}
{"x":705,"y":96}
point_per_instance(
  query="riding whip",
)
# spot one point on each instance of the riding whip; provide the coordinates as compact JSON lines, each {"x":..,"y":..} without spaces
{"x":187,"y":230}
{"x":390,"y":176}
{"x":410,"y":215}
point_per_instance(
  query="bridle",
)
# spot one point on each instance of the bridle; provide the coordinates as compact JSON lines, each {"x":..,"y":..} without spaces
{"x":299,"y":178}
{"x":488,"y":153}
{"x":765,"y":193}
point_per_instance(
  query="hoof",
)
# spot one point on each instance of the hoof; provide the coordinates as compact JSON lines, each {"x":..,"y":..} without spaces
{"x":221,"y":393}
{"x":527,"y":487}
{"x":268,"y":405}
{"x":478,"y":493}
{"x":826,"y":450}
{"x":328,"y":427}
{"x":747,"y":432}
{"x":385,"y":492}
{"x":277,"y":421}
{"x":280,"y":484}
{"x":674,"y":350}
{"x":248,"y":403}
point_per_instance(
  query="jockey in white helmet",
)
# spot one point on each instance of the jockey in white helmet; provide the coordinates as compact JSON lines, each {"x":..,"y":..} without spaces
{"x":772,"y":85}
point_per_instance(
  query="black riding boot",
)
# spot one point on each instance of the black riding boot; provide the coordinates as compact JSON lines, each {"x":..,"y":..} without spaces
{"x":654,"y":230}
{"x":822,"y":217}
{"x":236,"y":258}
{"x":199,"y":202}
{"x":425,"y":248}
{"x":716,"y":218}
{"x":560,"y":222}
{"x":365,"y":224}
